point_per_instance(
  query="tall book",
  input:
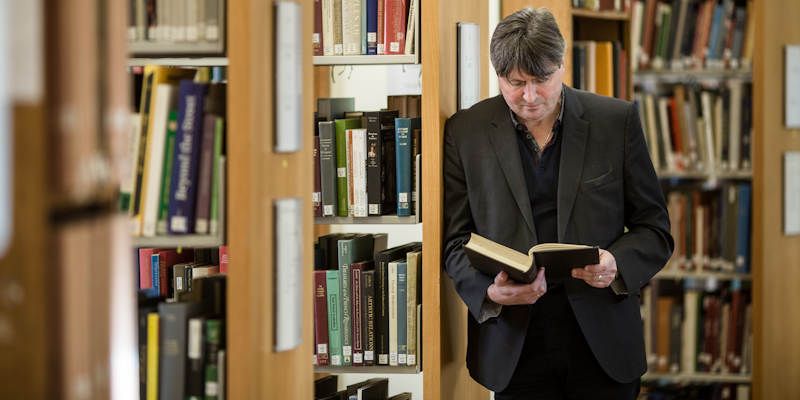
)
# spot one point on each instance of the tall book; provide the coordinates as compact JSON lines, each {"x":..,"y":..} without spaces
{"x":153,"y":350}
{"x":381,"y":191}
{"x":214,"y":107}
{"x":316,"y":195}
{"x":395,"y":26}
{"x":334,"y":317}
{"x":414,"y":293}
{"x":174,"y":319}
{"x":166,"y":176}
{"x":368,"y":316}
{"x":154,"y":159}
{"x":328,"y":172}
{"x":321,"y":318}
{"x":187,"y":157}
{"x":341,"y":127}
{"x":402,"y":314}
{"x":351,"y":27}
{"x":214,"y":341}
{"x":316,"y":38}
{"x":359,"y":171}
{"x":357,"y":297}
{"x":371,"y":24}
{"x":403,"y":142}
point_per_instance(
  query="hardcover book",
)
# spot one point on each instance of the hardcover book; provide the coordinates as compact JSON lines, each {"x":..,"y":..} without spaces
{"x":557,"y":258}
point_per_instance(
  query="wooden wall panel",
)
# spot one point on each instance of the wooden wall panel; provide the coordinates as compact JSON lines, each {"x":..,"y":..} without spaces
{"x":776,"y":258}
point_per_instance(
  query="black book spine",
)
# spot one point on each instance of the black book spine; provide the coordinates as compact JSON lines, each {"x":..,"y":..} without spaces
{"x":374,"y":159}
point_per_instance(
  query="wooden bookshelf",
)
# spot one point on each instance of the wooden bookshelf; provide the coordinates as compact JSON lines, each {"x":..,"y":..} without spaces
{"x":685,"y":378}
{"x":375,"y":369}
{"x":609,"y":15}
{"x":179,"y":61}
{"x":367,"y":60}
{"x":379,"y":219}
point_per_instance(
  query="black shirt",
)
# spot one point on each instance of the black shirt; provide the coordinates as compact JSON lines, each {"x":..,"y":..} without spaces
{"x":540,"y":167}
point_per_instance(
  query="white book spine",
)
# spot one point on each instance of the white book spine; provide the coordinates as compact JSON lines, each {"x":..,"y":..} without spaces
{"x":351,"y":27}
{"x":735,"y":124}
{"x":165,"y":95}
{"x":392,"y":313}
{"x":666,"y":141}
{"x":360,"y":172}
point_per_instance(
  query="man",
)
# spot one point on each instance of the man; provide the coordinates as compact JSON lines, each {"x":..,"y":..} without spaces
{"x":548,"y":163}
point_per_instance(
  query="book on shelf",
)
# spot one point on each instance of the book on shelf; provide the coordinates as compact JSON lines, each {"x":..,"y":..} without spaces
{"x":193,"y":27}
{"x":558,"y":259}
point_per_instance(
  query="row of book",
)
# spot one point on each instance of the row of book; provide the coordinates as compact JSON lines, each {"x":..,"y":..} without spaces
{"x":600,"y":67}
{"x":698,"y":326}
{"x":691,"y":34}
{"x":177,"y":147}
{"x":176,"y":21}
{"x":167,"y":273}
{"x":365,"y":163}
{"x":327,"y":388}
{"x":699,"y":128}
{"x":601,"y":5}
{"x":701,"y":391}
{"x":711,"y":228}
{"x":182,"y":348}
{"x":366,"y":301}
{"x":356,"y":27}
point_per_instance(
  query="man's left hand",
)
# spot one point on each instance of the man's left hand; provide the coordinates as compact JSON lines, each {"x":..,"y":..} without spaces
{"x":598,"y":275}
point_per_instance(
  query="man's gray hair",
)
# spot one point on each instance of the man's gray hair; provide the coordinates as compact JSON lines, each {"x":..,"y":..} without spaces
{"x":529,"y":41}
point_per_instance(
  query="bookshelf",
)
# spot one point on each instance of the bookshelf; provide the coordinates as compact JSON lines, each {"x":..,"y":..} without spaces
{"x":179,"y":61}
{"x":366,"y":60}
{"x":609,"y":15}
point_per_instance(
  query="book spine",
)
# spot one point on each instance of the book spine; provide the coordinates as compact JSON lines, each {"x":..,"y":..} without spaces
{"x":380,"y":47}
{"x":345,"y":248}
{"x":217,"y":178}
{"x":403,"y":165}
{"x":145,"y":273}
{"x":169,"y":154}
{"x":372,"y":26}
{"x":416,"y":149}
{"x":334,"y":317}
{"x":351,"y":27}
{"x":349,"y":157}
{"x":373,"y":167}
{"x":341,"y":168}
{"x":213,"y":342}
{"x":185,"y":168}
{"x":359,"y":161}
{"x":316,"y":196}
{"x":382,"y":312}
{"x":356,"y":315}
{"x":140,"y":150}
{"x":411,"y":306}
{"x":338,"y":43}
{"x":316,"y":38}
{"x":203,"y":209}
{"x":392,"y":304}
{"x":195,"y":373}
{"x":368,"y":317}
{"x":155,"y":271}
{"x":395,"y":26}
{"x":388,"y":169}
{"x":327,"y":27}
{"x":153,"y":320}
{"x":154,"y":158}
{"x":402,"y":298}
{"x":328,"y":174}
{"x":223,"y":259}
{"x":321,"y":317}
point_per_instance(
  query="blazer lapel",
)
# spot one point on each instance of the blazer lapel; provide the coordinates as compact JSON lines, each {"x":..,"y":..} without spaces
{"x":575,"y":132}
{"x":506,"y":150}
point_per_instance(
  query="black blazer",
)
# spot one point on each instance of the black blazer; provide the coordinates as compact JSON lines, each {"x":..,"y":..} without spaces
{"x":606,"y":183}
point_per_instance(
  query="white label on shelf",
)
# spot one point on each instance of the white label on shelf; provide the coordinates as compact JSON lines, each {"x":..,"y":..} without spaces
{"x":383,"y":359}
{"x":322,"y":348}
{"x":341,"y":172}
{"x":336,"y":360}
{"x":394,"y":47}
{"x":212,"y":33}
{"x":374,"y":209}
{"x":401,"y":359}
{"x":211,"y":388}
{"x":337,"y":49}
{"x":369,"y":356}
{"x":381,"y":48}
{"x":289,"y":79}
{"x":358,"y":358}
{"x":316,"y":197}
{"x":402,"y":197}
{"x":288,"y":284}
{"x":178,"y":224}
{"x":792,"y":90}
{"x":195,"y":348}
{"x":469,"y":67}
{"x":315,"y":38}
{"x":791,"y":192}
{"x":347,"y":351}
{"x":412,"y":359}
{"x":327,"y":210}
{"x":191,"y":33}
{"x":372,"y":37}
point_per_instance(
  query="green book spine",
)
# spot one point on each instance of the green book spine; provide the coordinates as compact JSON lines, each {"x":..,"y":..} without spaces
{"x":341,"y":127}
{"x":213,"y":339}
{"x":169,"y":153}
{"x":334,"y":317}
{"x":215,"y":177}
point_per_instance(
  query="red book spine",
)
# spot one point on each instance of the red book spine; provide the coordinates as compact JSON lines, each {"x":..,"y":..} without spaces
{"x":223,"y":259}
{"x":321,"y":318}
{"x":381,"y":16}
{"x":395,"y":26}
{"x":317,"y":36}
{"x":145,"y":271}
{"x":356,"y":316}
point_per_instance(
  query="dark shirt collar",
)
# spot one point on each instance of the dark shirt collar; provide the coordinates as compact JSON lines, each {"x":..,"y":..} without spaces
{"x":520,"y":127}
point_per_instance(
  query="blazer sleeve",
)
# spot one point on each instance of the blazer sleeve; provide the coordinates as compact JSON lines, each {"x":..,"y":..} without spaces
{"x":647,"y":245}
{"x":470,"y":283}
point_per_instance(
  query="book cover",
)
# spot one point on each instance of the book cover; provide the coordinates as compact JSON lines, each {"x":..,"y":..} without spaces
{"x":414,"y":293}
{"x":328,"y":172}
{"x":403,"y":136}
{"x":558,"y":259}
{"x":402,"y":315}
{"x":316,"y":195}
{"x":172,"y":362}
{"x":351,"y":251}
{"x":321,"y":317}
{"x":381,"y":191}
{"x":334,"y":317}
{"x":341,"y":127}
{"x":368,"y":316}
{"x":381,"y":282}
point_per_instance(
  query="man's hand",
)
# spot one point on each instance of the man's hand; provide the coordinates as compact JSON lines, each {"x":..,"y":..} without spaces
{"x":598,"y":275}
{"x":508,"y":293}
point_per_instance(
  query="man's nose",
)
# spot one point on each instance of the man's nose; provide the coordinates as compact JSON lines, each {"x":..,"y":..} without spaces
{"x":529,"y":92}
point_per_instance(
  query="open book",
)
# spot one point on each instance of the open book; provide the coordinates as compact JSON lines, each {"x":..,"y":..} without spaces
{"x":558,"y":259}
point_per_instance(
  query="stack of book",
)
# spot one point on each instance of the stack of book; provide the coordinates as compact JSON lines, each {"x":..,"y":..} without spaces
{"x":361,"y":27}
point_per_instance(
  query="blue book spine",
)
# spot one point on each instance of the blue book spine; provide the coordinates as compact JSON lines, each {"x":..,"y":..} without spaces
{"x":372,"y":26}
{"x":402,"y":128}
{"x":154,"y":268}
{"x":402,"y":298}
{"x":743,"y":229}
{"x":183,"y":184}
{"x":715,"y":41}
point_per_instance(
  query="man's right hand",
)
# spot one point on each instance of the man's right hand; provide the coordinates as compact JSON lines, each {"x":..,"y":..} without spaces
{"x":508,"y":293}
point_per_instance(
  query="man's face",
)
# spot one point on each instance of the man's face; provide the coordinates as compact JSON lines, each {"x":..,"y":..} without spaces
{"x":532,"y":98}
